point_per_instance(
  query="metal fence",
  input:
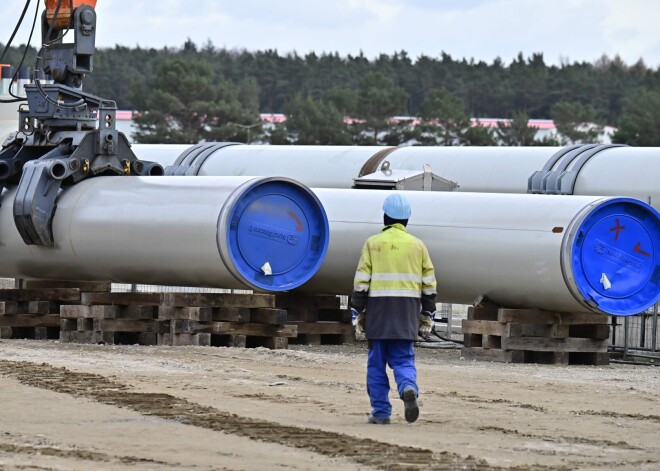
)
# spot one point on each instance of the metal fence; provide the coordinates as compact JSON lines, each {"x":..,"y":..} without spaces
{"x":637,"y":335}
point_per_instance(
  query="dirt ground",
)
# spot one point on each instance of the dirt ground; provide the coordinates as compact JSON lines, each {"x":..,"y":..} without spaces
{"x":80,"y":407}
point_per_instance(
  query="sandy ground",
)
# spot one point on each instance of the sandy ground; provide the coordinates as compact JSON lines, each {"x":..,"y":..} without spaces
{"x":79,"y":407}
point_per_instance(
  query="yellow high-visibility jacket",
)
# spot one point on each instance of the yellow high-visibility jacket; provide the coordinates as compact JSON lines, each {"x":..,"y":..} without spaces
{"x":394,"y":282}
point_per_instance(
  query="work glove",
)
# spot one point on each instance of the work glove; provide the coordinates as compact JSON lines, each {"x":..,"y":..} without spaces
{"x":357,"y":319}
{"x":426,"y":322}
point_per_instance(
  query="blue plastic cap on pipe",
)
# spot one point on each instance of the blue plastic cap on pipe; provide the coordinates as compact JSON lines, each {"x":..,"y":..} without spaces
{"x":397,"y":206}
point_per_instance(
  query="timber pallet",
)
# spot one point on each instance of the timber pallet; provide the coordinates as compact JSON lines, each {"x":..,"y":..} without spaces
{"x":535,"y":336}
{"x":319,"y":320}
{"x":219,"y":319}
{"x":31,"y":310}
{"x":37,"y":320}
{"x":109,"y":323}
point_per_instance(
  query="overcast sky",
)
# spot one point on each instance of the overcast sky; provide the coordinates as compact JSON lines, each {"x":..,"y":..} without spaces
{"x":563,"y":30}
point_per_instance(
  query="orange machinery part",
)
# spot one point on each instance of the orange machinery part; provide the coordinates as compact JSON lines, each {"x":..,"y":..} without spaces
{"x":63,"y":19}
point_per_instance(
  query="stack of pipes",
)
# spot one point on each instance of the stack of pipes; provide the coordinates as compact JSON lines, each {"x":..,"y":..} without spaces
{"x":592,"y":244}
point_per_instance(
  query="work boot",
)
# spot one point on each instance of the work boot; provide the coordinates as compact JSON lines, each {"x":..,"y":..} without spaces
{"x":378,"y":420}
{"x":411,"y":409}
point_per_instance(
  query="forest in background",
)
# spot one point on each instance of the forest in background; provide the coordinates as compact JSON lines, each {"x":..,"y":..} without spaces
{"x":195,"y":93}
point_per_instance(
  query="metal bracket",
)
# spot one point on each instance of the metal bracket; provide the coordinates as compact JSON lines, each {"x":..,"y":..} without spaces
{"x":554,"y":178}
{"x":42,"y":179}
{"x":191,"y":160}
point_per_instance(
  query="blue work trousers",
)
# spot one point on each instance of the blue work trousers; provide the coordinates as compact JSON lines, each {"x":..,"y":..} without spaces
{"x":398,"y":355}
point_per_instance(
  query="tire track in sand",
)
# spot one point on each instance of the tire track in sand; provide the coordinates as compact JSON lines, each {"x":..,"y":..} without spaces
{"x":365,"y":451}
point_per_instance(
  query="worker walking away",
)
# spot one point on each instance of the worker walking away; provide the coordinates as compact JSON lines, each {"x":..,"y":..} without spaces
{"x":393,"y":299}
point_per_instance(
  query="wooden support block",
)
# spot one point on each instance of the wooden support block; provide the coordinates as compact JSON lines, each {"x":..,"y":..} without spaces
{"x":504,"y":356}
{"x":319,"y":328}
{"x":482,"y":313}
{"x":473,"y":340}
{"x":541,"y":344}
{"x":527,"y":316}
{"x":514,"y":330}
{"x":483,"y":327}
{"x":300,"y":314}
{"x":218,"y":300}
{"x":12,"y":307}
{"x":30,"y":320}
{"x":248,"y":329}
{"x":599,"y":331}
{"x":286,"y":301}
{"x":43,"y":307}
{"x":98,"y":312}
{"x":80,"y":285}
{"x":68,"y":324}
{"x":144,"y":299}
{"x":177,"y":325}
{"x":235,"y":341}
{"x":334,"y":315}
{"x":84,"y":325}
{"x":138,"y":312}
{"x":41,"y":333}
{"x":123,"y":325}
{"x":230,"y":314}
{"x":87,"y":337}
{"x":191,"y":313}
{"x":47,"y":294}
{"x":162,"y":326}
{"x":491,"y":341}
{"x":184,"y":339}
{"x":536,"y":330}
{"x":268,"y":316}
{"x":535,"y":316}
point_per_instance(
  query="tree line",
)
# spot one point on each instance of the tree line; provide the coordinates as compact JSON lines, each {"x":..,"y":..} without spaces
{"x":193,"y":93}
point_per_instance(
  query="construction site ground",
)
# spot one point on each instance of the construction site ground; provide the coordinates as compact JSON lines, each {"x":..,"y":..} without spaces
{"x":81,"y":407}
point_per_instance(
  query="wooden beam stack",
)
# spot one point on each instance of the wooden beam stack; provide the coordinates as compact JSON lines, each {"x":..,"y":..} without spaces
{"x":318,"y":319}
{"x":535,"y":336}
{"x":91,"y":313}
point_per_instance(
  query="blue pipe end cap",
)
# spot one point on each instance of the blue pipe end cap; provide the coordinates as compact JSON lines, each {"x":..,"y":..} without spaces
{"x":278,"y":235}
{"x":616,"y":257}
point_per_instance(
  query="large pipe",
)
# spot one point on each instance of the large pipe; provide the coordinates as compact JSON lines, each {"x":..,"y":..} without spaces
{"x":568,"y":254}
{"x":596,"y":170}
{"x":267,"y":234}
{"x":557,"y":253}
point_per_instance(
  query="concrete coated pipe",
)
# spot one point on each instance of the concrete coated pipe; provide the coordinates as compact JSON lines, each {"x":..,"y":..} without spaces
{"x":562,"y":253}
{"x":585,"y":170}
{"x":268,"y":234}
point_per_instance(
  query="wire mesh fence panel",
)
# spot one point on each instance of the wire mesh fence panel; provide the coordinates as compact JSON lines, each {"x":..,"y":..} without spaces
{"x":140,"y":288}
{"x":7,"y":283}
{"x":640,"y":332}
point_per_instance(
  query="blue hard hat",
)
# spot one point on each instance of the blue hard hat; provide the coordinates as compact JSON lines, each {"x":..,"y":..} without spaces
{"x":396,"y":206}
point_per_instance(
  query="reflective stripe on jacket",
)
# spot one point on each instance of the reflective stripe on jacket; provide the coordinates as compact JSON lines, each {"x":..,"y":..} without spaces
{"x":394,"y":280}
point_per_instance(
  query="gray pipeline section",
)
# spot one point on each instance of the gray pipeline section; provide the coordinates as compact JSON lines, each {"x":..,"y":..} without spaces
{"x":154,"y":230}
{"x":497,"y":245}
{"x":513,"y":249}
{"x":591,"y":170}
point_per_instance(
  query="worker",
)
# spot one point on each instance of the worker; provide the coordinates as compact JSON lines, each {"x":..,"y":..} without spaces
{"x":393,"y":299}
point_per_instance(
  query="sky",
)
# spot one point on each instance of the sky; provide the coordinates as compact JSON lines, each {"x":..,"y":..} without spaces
{"x":564,"y":31}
